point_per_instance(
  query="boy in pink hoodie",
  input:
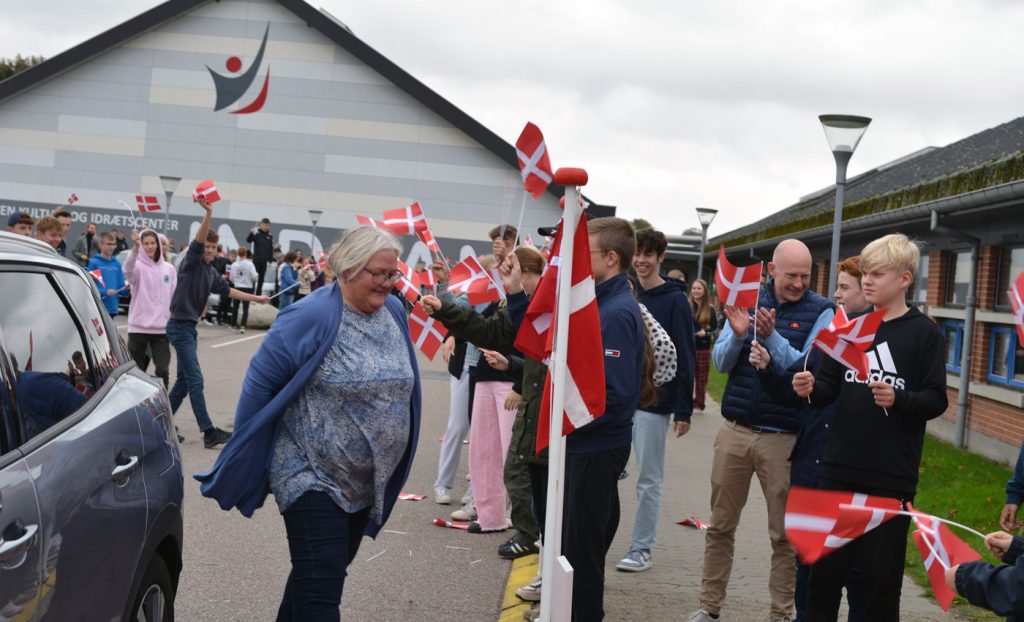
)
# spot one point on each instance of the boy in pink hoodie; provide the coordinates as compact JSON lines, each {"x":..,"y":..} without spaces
{"x":152,"y":281}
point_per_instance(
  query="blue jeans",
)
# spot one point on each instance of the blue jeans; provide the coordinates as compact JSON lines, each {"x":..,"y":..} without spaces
{"x":649,"y":433}
{"x":323,"y":539}
{"x":286,"y":299}
{"x":183,"y":338}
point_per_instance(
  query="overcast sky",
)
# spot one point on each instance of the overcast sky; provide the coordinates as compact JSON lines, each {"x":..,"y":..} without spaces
{"x":668,"y":104}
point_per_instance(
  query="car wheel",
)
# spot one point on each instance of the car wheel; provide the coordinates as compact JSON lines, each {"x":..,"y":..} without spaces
{"x":154,"y":601}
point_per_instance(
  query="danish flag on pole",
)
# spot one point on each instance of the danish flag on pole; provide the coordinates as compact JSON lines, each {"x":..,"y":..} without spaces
{"x":371,"y":222}
{"x":585,"y":385}
{"x":409,"y":283}
{"x":427,"y":278}
{"x":737,"y":286}
{"x":424,"y":332}
{"x":821,"y":521}
{"x":845,"y":340}
{"x":208,"y":190}
{"x":72,"y":199}
{"x":469,"y":277}
{"x":427,"y":238}
{"x":1017,"y":304}
{"x":96,"y":274}
{"x":405,"y":221}
{"x":940,"y":550}
{"x":147,"y":203}
{"x":534,"y":164}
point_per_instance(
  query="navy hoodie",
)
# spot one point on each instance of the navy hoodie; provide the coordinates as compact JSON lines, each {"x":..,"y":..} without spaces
{"x":670,"y":307}
{"x":622,"y":332}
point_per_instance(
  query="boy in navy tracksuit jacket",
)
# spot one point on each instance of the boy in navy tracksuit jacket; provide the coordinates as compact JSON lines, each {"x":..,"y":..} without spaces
{"x":597,"y":453}
{"x":998,"y":588}
{"x":665,"y":301}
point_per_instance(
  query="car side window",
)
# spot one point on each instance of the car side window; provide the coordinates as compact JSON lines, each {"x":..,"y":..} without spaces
{"x":102,"y":342}
{"x":8,"y":417}
{"x":45,"y":352}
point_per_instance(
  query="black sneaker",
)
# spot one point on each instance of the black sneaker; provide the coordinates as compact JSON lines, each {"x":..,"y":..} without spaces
{"x":513,"y":550}
{"x":214,"y":437}
{"x":475,"y":527}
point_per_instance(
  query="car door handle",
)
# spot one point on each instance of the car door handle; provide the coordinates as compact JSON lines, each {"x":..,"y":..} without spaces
{"x":11,"y":550}
{"x":122,"y":472}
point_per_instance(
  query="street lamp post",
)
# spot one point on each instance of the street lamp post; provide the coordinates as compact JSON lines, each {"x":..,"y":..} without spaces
{"x":314,"y":215}
{"x":170,"y":184}
{"x":705,"y":215}
{"x":843,"y":133}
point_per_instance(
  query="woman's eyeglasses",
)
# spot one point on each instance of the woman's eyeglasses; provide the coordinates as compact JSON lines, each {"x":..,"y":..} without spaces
{"x":388,"y":276}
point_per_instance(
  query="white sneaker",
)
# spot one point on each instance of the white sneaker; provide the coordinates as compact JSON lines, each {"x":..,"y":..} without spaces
{"x":701,"y":615}
{"x":467,"y":477}
{"x":467,"y":497}
{"x":530,"y":592}
{"x":441,"y":497}
{"x":465,"y":513}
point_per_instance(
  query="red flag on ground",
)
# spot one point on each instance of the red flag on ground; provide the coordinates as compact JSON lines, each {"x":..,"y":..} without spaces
{"x":737,"y":286}
{"x":469,"y":277}
{"x":208,"y":190}
{"x":427,"y":238}
{"x":1017,"y":304}
{"x":424,"y":331}
{"x":585,"y":382}
{"x":405,"y":221}
{"x":816,"y":524}
{"x":534,"y":163}
{"x":72,"y":199}
{"x":147,"y":203}
{"x":96,"y":274}
{"x":408,"y":284}
{"x":940,"y":550}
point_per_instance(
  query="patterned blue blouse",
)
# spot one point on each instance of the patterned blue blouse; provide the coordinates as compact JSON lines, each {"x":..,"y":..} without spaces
{"x":349,"y":428}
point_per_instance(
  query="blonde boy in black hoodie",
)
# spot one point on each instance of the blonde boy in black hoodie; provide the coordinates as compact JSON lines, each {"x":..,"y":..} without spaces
{"x":875,"y":447}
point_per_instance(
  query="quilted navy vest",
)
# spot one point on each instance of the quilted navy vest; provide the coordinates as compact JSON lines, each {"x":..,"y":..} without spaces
{"x":744,"y":400}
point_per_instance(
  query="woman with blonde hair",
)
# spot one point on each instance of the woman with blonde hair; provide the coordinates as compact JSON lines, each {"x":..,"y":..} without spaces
{"x":328,"y":421}
{"x":705,"y":323}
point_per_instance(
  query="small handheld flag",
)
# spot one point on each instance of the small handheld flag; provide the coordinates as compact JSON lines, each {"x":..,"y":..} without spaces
{"x":738,"y":286}
{"x":208,"y":190}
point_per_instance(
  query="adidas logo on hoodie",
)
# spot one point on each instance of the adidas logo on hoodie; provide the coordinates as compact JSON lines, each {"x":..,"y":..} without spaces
{"x":882,"y":368}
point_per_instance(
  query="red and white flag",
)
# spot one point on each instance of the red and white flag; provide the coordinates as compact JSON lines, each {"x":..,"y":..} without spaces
{"x":585,"y":382}
{"x":1017,"y":304}
{"x":534,"y":164}
{"x":425,"y":332}
{"x":738,"y":286}
{"x":469,"y":277}
{"x":147,"y":203}
{"x":405,"y":221}
{"x":371,"y":222}
{"x":427,"y":279}
{"x":322,"y":262}
{"x":940,"y":550}
{"x":72,"y":199}
{"x":408,"y":284}
{"x":816,"y":523}
{"x":208,"y":190}
{"x":96,"y":274}
{"x":846,"y":340}
{"x":527,"y":240}
{"x":427,"y":238}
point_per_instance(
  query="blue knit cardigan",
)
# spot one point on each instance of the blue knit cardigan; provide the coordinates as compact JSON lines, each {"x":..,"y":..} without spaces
{"x":291,"y":352}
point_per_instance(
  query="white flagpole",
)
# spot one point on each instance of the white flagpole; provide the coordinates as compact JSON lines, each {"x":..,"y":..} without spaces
{"x":130,"y":211}
{"x":556,"y":442}
{"x":519,"y":226}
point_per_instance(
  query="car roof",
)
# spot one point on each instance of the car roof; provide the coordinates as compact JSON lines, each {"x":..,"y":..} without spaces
{"x":14,"y":247}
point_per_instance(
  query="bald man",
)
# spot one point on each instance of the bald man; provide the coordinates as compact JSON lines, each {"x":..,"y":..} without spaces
{"x":758,"y":434}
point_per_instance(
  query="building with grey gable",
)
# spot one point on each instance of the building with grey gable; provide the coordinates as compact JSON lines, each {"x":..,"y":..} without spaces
{"x":280,"y":104}
{"x":964,"y":204}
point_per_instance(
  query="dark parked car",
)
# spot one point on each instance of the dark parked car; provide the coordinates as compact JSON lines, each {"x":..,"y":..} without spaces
{"x":90,"y":473}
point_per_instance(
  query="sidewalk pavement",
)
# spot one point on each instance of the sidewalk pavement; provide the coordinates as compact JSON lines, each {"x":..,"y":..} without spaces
{"x":669,"y":590}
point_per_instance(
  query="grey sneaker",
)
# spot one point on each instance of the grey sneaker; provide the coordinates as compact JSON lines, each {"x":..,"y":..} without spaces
{"x":465,"y":513}
{"x":636,"y":560}
{"x":467,"y":497}
{"x":441,"y":497}
{"x":533,"y":614}
{"x":701,"y":615}
{"x":531,"y":591}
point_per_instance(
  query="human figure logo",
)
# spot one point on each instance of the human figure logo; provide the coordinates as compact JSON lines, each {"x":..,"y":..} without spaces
{"x":230,"y":88}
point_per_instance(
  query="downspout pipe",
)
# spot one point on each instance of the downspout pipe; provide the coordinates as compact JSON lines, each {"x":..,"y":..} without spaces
{"x":968,"y":339}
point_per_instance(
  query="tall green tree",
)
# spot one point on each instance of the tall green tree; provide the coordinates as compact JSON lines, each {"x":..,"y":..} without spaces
{"x":11,"y":66}
{"x":640,"y":223}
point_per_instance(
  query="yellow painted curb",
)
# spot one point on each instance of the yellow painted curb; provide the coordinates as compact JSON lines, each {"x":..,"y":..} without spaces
{"x":523,"y":571}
